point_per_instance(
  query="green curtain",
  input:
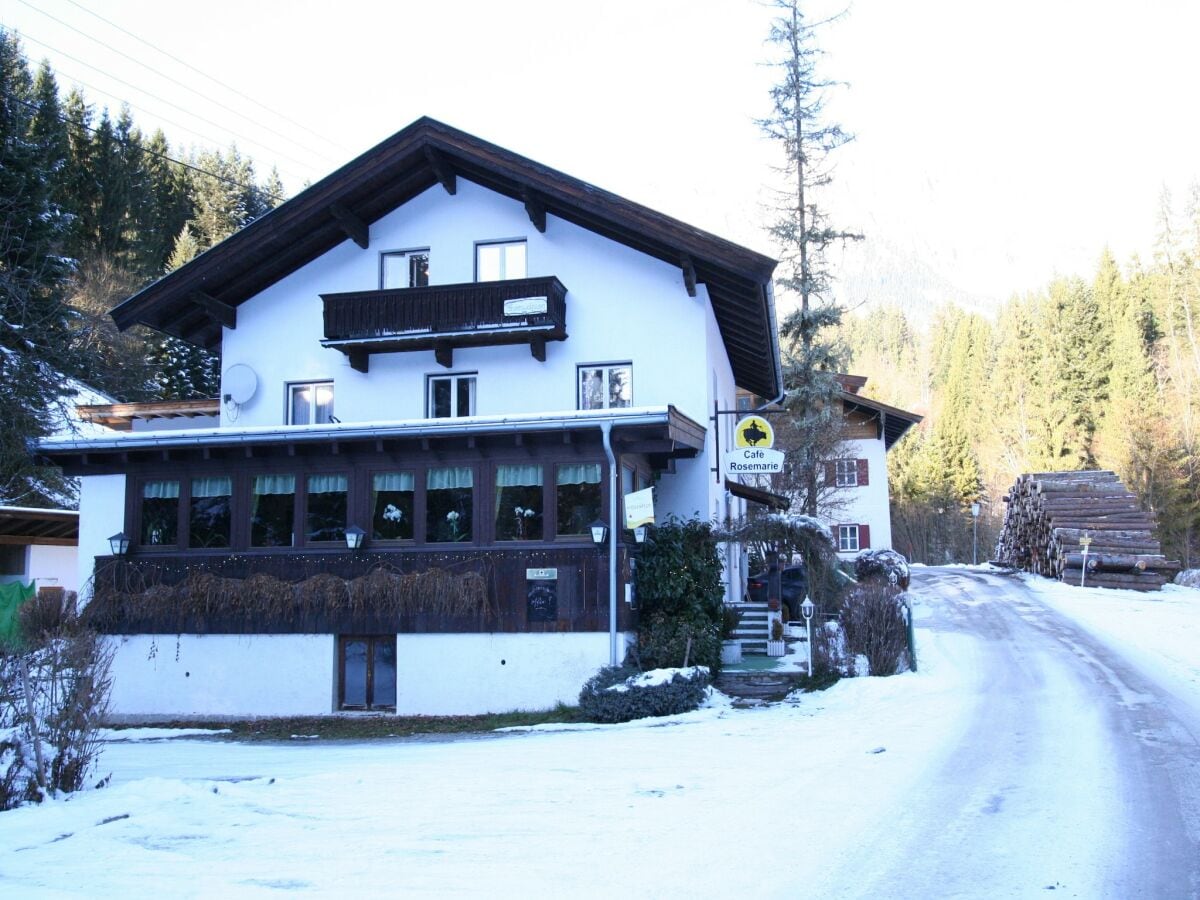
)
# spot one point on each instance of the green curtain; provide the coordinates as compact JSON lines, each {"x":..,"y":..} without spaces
{"x":12,"y":595}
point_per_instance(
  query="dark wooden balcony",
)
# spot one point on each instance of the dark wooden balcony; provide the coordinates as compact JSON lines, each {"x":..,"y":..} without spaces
{"x":445,"y":316}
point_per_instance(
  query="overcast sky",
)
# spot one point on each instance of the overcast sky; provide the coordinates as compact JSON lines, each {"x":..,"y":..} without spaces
{"x":997,"y":144}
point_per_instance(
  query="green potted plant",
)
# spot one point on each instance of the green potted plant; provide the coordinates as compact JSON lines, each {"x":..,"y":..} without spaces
{"x":731,"y":647}
{"x":776,"y":645}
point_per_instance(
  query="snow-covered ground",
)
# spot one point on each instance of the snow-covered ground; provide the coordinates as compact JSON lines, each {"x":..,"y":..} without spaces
{"x":723,"y":802}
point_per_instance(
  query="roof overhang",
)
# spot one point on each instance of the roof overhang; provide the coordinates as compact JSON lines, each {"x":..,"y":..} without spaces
{"x":120,"y":416}
{"x":195,"y":301}
{"x":661,"y":432}
{"x":53,"y":527}
{"x":893,"y":422}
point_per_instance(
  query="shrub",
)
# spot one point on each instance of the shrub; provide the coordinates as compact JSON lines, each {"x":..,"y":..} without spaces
{"x":621,"y":693}
{"x":663,"y":641}
{"x":885,"y":566}
{"x":873,"y":620}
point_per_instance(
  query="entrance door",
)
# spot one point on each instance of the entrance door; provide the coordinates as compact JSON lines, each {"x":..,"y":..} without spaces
{"x":367,"y":666}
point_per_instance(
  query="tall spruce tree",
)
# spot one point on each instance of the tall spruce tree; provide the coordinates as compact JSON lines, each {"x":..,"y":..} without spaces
{"x":812,"y":355}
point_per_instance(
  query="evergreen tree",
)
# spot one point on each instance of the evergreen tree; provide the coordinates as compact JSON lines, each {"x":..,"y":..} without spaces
{"x":812,"y":356}
{"x":184,"y":371}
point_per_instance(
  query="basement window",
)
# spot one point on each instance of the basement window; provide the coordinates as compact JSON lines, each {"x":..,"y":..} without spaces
{"x":367,"y":670}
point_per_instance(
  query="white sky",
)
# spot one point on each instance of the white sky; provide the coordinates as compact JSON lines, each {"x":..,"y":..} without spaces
{"x":997,"y":144}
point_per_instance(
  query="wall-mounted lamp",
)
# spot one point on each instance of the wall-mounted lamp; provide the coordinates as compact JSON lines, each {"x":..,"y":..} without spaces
{"x":354,"y":537}
{"x":119,"y":544}
{"x":639,"y":534}
{"x":599,"y":532}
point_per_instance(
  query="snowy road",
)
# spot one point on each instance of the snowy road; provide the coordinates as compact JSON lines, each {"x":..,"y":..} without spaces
{"x":1075,"y":772}
{"x":1025,"y":756}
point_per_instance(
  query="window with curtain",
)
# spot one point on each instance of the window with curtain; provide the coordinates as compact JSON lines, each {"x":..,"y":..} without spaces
{"x":449,"y":496}
{"x":310,"y":404}
{"x":392,"y":506}
{"x":210,"y":514}
{"x":272,"y":510}
{"x":160,"y":513}
{"x":578,"y":497}
{"x":325,"y":513}
{"x":519,"y":501}
{"x":605,"y":386}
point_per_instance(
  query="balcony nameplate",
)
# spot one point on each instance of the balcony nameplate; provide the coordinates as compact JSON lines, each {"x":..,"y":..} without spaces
{"x":541,"y":574}
{"x":526,"y":306}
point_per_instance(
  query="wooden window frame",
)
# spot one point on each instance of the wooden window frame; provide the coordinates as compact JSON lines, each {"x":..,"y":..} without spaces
{"x":844,"y":536}
{"x":371,"y":640}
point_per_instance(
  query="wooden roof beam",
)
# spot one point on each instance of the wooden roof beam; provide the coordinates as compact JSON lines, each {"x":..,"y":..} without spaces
{"x":441,"y":170}
{"x":356,"y":229}
{"x":689,"y":274}
{"x":219,"y":312}
{"x":535,"y":209}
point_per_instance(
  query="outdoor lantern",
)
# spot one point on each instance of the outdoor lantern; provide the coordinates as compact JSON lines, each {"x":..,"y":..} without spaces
{"x":975,"y":509}
{"x":354,"y":537}
{"x":119,"y":544}
{"x":599,"y":532}
{"x":807,"y":608}
{"x":639,"y":534}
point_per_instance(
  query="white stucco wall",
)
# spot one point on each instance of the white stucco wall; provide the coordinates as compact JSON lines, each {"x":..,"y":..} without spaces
{"x":101,"y":515}
{"x":221,"y":675}
{"x":168,"y":676}
{"x":868,"y":505}
{"x":54,"y":566}
{"x":621,"y":306}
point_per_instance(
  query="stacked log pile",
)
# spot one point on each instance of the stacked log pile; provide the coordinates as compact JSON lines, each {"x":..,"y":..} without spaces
{"x":1048,"y":513}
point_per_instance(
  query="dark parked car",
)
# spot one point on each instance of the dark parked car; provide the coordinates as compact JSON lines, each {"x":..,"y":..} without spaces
{"x":793,"y":583}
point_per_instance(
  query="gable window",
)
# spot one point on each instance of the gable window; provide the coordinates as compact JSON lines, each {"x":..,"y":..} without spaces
{"x":325,"y":518}
{"x":846,"y":472}
{"x":451,"y":396}
{"x":499,"y":260}
{"x":209,"y":514}
{"x":310,"y":403}
{"x":160,"y":513}
{"x":578,"y":497}
{"x":392,"y":506}
{"x":449,"y":495}
{"x":367,"y":667}
{"x":272,"y":510}
{"x":519,"y":503}
{"x":605,"y":386}
{"x":404,"y":269}
{"x":848,"y":538}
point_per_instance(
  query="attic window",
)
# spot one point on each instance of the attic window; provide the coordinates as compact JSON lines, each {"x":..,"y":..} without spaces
{"x":500,"y":261}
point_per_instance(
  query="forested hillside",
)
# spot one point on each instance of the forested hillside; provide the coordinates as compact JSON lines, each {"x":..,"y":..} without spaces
{"x":1102,"y":372}
{"x":93,"y":209}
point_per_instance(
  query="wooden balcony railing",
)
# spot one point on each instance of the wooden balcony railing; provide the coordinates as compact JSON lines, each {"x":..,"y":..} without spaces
{"x":445,"y":316}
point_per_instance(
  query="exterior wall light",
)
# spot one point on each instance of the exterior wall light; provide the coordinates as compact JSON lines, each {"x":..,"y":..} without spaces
{"x":354,"y":537}
{"x":599,"y":533}
{"x":639,"y":534}
{"x":119,"y":544}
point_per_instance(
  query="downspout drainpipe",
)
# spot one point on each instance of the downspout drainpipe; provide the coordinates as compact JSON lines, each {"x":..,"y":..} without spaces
{"x":613,"y":530}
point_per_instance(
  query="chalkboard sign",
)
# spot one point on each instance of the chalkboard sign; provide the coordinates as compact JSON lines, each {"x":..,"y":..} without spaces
{"x":541,"y":599}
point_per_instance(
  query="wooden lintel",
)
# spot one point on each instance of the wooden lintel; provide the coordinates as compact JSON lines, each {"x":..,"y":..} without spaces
{"x":444,"y":354}
{"x":537,"y":347}
{"x":360,"y":360}
{"x":689,"y":274}
{"x":220,"y":312}
{"x":354,"y":227}
{"x":535,"y":209}
{"x":23,"y":541}
{"x":441,"y":170}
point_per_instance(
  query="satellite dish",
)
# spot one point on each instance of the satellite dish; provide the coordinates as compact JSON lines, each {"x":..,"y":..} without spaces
{"x":240,"y":383}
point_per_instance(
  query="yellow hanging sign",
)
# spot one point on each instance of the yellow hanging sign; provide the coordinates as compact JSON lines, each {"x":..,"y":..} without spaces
{"x":754,"y":432}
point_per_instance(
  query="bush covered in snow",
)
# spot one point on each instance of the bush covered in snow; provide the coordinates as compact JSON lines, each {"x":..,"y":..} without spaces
{"x":1189,"y":578}
{"x":875,"y":626}
{"x":53,"y":696}
{"x":886,"y":566}
{"x":622,"y":693}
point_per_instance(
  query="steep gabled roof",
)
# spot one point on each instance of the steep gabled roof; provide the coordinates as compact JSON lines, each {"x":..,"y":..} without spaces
{"x":194,"y":301}
{"x":894,"y":421}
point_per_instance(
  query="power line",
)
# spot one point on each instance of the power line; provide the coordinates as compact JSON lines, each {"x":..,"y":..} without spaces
{"x":300,"y":125}
{"x":161,"y":74}
{"x":146,"y":150}
{"x":245,"y":138}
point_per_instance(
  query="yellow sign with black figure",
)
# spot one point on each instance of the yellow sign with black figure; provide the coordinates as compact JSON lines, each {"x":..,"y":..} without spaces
{"x":754,"y":432}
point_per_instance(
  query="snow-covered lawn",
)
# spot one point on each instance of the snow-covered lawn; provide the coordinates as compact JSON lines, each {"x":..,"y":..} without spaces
{"x":651,"y":808}
{"x":1158,"y":631}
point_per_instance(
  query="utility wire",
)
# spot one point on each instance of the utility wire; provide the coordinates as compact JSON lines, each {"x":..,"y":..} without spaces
{"x":169,"y":78}
{"x":248,"y":140}
{"x":148,"y":152}
{"x":339,"y":147}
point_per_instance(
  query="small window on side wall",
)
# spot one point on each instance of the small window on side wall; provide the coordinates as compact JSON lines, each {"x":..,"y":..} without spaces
{"x":310,"y":403}
{"x":404,"y":269}
{"x":848,"y":539}
{"x":367,"y":676}
{"x":160,"y":513}
{"x":500,"y":260}
{"x":608,"y":386}
{"x":846,"y":472}
{"x":451,"y":396}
